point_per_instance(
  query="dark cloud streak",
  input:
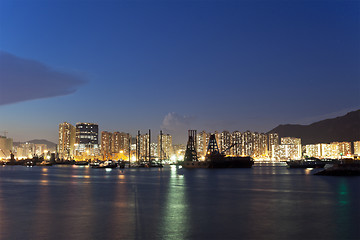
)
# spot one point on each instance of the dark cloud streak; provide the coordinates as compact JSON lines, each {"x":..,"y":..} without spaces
{"x":24,"y":79}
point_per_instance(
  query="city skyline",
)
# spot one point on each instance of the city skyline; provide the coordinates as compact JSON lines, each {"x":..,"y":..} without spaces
{"x":179,"y":119}
{"x":83,"y":142}
{"x":231,"y":65}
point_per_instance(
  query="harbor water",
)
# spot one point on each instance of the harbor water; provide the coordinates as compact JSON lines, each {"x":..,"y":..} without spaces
{"x":263,"y":202}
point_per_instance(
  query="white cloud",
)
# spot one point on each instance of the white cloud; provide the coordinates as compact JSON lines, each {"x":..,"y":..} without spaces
{"x":177,"y":126}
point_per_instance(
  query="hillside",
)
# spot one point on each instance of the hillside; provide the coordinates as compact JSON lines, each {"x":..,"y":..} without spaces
{"x":43,"y":141}
{"x":344,"y":128}
{"x":49,"y":144}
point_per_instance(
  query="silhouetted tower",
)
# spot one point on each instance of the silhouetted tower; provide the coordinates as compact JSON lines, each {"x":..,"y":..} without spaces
{"x":138,"y":147}
{"x":129,"y":149}
{"x":149,"y":145}
{"x":190,"y":153}
{"x":12,"y":159}
{"x":212,"y":146}
{"x":161,"y":150}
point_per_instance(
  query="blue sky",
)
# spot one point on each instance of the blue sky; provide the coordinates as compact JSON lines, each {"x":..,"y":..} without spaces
{"x":212,"y":65}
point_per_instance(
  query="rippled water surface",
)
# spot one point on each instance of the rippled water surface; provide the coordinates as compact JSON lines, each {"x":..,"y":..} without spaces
{"x":264,"y":202}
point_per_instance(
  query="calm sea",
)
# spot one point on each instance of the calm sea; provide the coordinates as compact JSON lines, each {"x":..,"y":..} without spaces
{"x":264,"y":202}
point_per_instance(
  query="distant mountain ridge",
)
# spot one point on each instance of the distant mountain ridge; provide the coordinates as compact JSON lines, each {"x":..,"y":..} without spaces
{"x":340,"y":129}
{"x":39,"y":141}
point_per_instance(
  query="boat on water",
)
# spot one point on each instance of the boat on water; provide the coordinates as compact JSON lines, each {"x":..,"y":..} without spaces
{"x":44,"y":163}
{"x":305,"y":163}
{"x":220,"y":161}
{"x":81,"y":163}
{"x":151,"y":164}
{"x":214,"y":158}
{"x":156,"y":164}
{"x":30,"y":163}
{"x":106,"y":164}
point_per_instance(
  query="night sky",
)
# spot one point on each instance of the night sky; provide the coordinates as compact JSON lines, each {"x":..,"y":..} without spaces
{"x":176,"y":65}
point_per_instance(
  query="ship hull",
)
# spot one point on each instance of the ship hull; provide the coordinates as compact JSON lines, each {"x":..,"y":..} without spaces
{"x":306,"y":164}
{"x":221,"y":162}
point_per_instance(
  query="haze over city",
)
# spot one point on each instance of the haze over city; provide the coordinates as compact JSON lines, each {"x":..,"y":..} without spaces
{"x":175,"y":65}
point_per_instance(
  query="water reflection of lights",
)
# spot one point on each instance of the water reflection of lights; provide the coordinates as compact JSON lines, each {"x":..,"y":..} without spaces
{"x":121,"y":176}
{"x":343,"y":193}
{"x":44,"y":182}
{"x":44,"y":169}
{"x":175,"y":171}
{"x":80,"y":176}
{"x":176,"y":209}
{"x":343,"y":208}
{"x":308,"y":171}
{"x":108,"y":169}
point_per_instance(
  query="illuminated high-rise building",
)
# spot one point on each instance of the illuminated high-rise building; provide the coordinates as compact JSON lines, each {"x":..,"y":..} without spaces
{"x":106,"y":144}
{"x":179,"y":151}
{"x":120,"y":142}
{"x":154,"y":149}
{"x":26,"y":150}
{"x":357,"y":148}
{"x":201,"y":144}
{"x":286,"y":152}
{"x":143,"y":146}
{"x":290,"y":148}
{"x":237,"y":140}
{"x":87,"y":139}
{"x":67,"y":135}
{"x":273,"y":142}
{"x":341,"y":149}
{"x":263,"y":145}
{"x":326,"y":150}
{"x":291,"y":140}
{"x":224,"y":143}
{"x":6,"y":146}
{"x":87,"y":133}
{"x":165,"y":146}
{"x":255,"y":138}
{"x":248,"y":143}
{"x":313,"y":150}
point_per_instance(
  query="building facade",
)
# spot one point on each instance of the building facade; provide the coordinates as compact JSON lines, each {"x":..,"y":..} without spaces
{"x":67,"y":136}
{"x":86,"y":142}
{"x":164,"y":146}
{"x":106,"y":144}
{"x":6,"y":147}
{"x":357,"y":148}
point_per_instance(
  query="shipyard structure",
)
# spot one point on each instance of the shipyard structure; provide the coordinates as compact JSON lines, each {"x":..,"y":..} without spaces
{"x":214,"y":158}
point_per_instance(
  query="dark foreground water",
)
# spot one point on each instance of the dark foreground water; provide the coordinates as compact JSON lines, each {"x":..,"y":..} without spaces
{"x":71,"y":202}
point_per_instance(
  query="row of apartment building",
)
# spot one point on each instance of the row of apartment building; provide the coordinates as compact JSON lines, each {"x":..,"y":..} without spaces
{"x":254,"y":144}
{"x":82,"y":140}
{"x":22,"y":150}
{"x":269,"y":146}
{"x":332,"y":150}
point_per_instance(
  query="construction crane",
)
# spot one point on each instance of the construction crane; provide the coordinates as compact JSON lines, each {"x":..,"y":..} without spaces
{"x":231,"y":146}
{"x":213,"y":147}
{"x":3,"y":153}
